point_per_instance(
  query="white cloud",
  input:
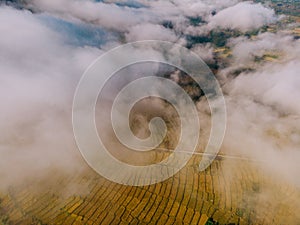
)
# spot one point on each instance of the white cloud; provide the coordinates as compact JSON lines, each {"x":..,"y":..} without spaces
{"x":204,"y":51}
{"x":243,"y":16}
{"x":244,"y":50}
{"x":105,"y":15}
{"x":38,"y":74}
{"x":274,"y":86}
{"x":150,"y":32}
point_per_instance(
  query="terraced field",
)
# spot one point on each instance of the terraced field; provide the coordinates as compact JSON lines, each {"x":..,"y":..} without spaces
{"x":230,"y":191}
